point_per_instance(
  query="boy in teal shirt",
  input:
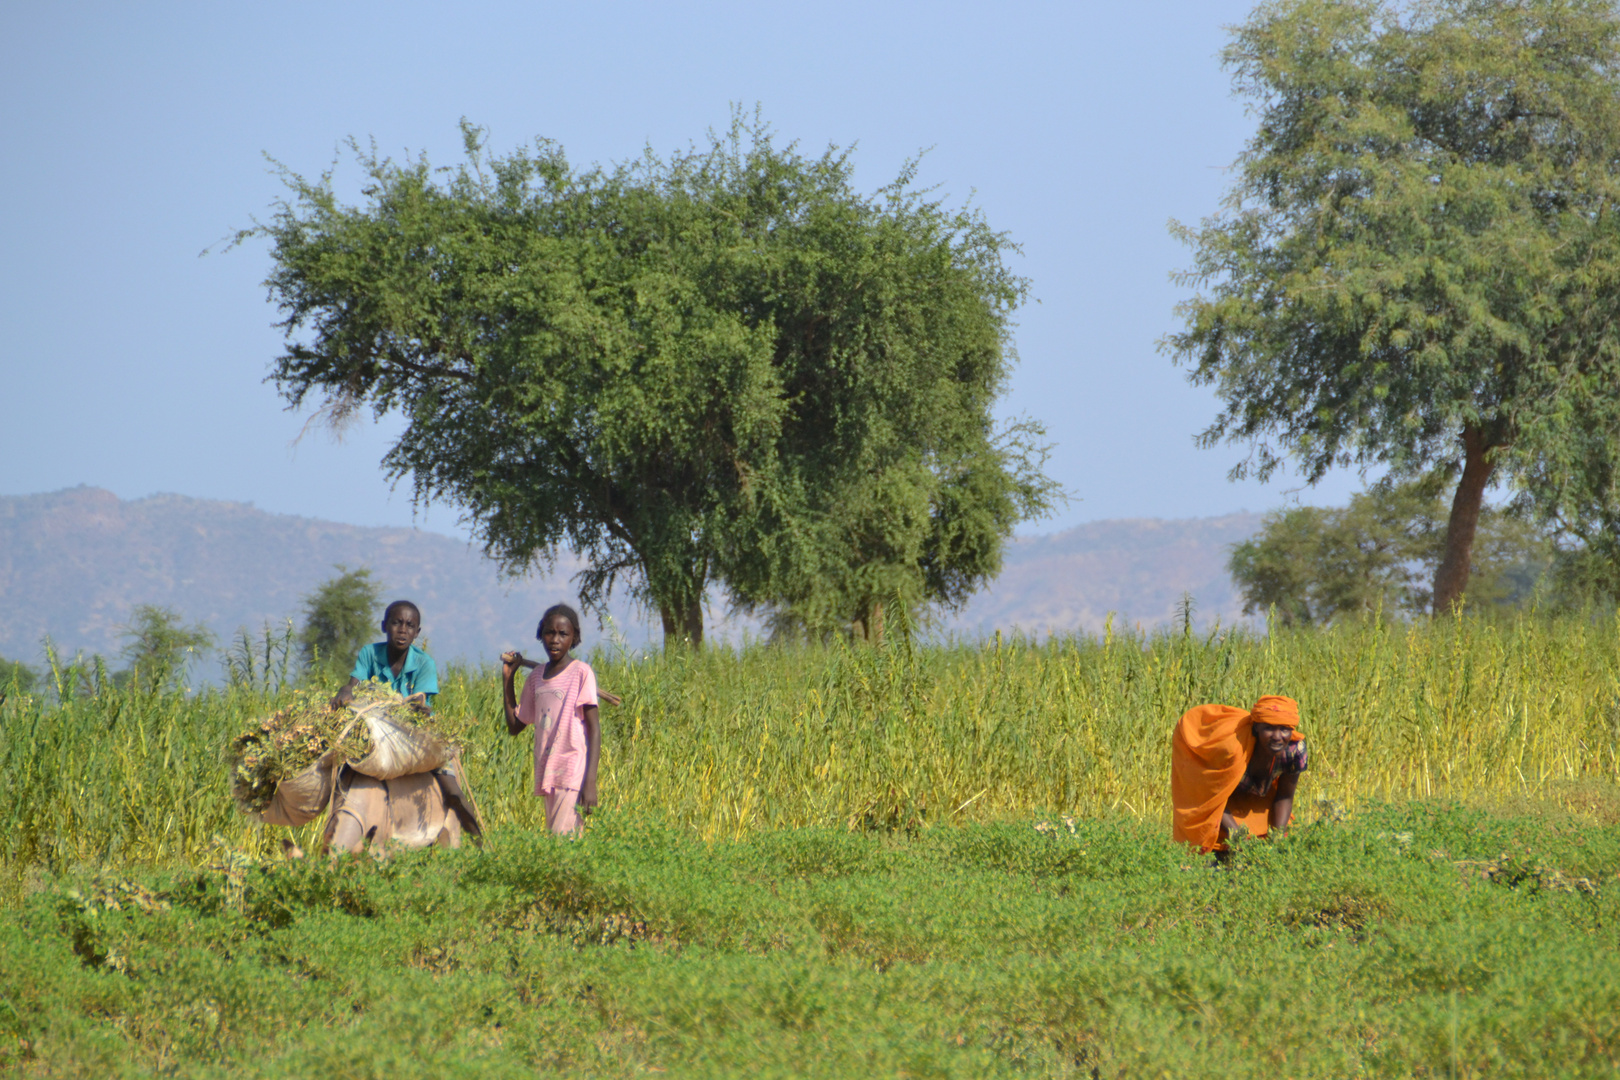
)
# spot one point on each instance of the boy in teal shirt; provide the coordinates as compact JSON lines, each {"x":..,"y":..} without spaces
{"x":396,"y":660}
{"x":429,"y":806}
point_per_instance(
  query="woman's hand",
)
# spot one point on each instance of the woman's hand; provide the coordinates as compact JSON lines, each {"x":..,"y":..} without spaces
{"x":510,"y":662}
{"x":587,"y":795}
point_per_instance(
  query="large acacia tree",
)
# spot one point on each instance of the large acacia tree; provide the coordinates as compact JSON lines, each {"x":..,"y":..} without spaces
{"x":894,"y":489}
{"x":1418,"y":263}
{"x":681,"y":368}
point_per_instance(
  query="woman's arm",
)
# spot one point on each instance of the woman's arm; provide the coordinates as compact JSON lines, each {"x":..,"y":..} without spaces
{"x":593,"y":754}
{"x":510,"y":662}
{"x":1282,"y":807}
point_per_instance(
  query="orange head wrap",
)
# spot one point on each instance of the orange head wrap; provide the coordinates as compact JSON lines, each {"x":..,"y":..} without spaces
{"x":1276,"y":710}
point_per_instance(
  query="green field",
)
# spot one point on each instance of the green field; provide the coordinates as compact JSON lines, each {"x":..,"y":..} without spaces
{"x":856,"y":862}
{"x":1408,"y":942}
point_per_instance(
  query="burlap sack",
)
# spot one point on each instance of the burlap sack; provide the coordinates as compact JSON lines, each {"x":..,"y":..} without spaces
{"x":398,"y":748}
{"x":301,"y":799}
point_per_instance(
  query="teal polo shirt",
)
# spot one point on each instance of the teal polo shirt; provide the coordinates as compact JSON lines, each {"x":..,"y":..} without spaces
{"x":418,"y":676}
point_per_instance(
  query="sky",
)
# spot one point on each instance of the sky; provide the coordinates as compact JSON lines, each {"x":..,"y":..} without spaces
{"x":134,"y":142}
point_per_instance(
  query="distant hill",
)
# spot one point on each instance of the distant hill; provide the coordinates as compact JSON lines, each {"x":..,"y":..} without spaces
{"x":73,"y":564}
{"x":1137,"y":568}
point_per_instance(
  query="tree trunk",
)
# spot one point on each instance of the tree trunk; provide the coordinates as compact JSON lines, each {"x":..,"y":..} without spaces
{"x":1451,"y":579}
{"x":869,"y":627}
{"x":684,"y":626}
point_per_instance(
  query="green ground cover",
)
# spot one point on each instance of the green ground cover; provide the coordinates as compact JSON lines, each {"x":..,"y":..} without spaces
{"x":1405,"y":940}
{"x":839,"y":861}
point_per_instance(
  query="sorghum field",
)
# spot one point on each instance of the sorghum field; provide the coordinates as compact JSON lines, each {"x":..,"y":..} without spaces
{"x":947,"y":860}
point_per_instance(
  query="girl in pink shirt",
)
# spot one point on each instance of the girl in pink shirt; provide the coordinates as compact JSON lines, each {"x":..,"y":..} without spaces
{"x":559,"y":702}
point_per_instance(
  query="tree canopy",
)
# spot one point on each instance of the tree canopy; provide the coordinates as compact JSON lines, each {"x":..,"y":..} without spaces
{"x":1418,"y":264}
{"x":727,"y":367}
{"x":341,"y":615}
{"x":160,"y":647}
{"x":1312,"y":565}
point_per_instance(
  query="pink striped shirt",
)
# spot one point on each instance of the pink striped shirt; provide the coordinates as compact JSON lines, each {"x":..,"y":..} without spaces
{"x":555,"y":707}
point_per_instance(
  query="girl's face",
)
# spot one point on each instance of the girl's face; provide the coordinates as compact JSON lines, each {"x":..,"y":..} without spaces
{"x":557,"y":636}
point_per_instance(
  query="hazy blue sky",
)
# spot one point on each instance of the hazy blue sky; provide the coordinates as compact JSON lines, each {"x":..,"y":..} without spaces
{"x":134,"y":134}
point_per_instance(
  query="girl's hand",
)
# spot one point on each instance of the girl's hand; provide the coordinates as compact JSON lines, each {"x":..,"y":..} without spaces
{"x":587,"y":795}
{"x":510,"y":662}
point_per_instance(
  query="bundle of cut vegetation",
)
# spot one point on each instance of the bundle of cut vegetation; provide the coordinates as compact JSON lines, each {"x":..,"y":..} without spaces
{"x":295,"y":751}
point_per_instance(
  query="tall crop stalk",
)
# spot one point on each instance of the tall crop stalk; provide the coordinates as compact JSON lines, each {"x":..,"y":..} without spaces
{"x":894,"y":736}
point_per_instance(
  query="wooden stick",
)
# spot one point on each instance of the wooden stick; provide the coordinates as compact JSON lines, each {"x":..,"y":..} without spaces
{"x":611,"y":699}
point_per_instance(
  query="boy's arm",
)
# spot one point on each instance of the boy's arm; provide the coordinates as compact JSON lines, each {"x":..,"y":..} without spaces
{"x":363,"y":670}
{"x":510,"y":662}
{"x":593,"y":754}
{"x":427,"y":681}
{"x":345,"y":695}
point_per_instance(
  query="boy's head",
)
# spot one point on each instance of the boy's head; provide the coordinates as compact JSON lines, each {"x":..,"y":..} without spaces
{"x":559,"y":613}
{"x":401,"y":622}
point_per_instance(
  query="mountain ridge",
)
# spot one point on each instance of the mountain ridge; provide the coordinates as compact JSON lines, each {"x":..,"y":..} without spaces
{"x":74,"y":563}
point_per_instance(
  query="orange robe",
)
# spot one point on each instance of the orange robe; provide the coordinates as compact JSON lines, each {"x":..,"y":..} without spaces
{"x":1209,"y":753}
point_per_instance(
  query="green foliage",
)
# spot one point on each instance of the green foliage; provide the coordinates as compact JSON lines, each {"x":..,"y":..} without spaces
{"x":1415,"y":940}
{"x":1514,"y":564}
{"x":264,"y":663}
{"x":1314,"y":565}
{"x":1585,"y":517}
{"x":1418,"y":265}
{"x":159,"y":647}
{"x":889,"y":740}
{"x":936,"y":861}
{"x":1587,"y":575}
{"x":726,"y":367}
{"x":340,"y":616}
{"x":16,"y":677}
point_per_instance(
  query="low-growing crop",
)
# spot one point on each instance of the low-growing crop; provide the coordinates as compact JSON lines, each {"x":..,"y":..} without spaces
{"x":1410,"y":940}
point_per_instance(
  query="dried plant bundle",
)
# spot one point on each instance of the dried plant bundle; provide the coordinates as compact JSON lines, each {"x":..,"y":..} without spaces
{"x":291,"y":740}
